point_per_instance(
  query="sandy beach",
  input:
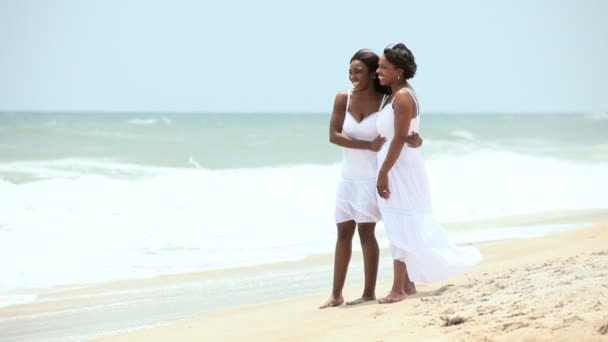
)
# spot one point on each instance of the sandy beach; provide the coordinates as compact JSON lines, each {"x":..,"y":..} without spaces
{"x":178,"y":171}
{"x":552,"y":288}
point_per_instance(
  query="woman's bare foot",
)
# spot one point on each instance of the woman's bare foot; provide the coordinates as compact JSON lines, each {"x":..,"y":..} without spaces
{"x":332,"y":301}
{"x":363,"y":299}
{"x":393,"y":297}
{"x":410,"y":289}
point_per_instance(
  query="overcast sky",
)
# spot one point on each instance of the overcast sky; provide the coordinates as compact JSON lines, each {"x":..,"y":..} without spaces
{"x":279,"y":56}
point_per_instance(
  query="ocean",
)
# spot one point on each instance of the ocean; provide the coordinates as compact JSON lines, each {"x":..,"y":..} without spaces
{"x":87,"y":198}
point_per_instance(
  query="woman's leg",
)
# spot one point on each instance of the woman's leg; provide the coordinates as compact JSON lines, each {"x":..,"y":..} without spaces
{"x":344,"y":246}
{"x":397,"y":293}
{"x":408,"y":286}
{"x":371,"y":255}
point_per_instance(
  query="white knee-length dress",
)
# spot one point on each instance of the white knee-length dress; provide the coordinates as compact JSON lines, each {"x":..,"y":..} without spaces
{"x":356,"y":191}
{"x":415,"y":236}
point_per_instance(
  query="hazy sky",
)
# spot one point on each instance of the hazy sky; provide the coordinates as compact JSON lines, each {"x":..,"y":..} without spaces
{"x":279,"y":56}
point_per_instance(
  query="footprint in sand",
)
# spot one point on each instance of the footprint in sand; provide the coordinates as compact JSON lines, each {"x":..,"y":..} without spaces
{"x":516,"y":314}
{"x":603,"y":329}
{"x":378,"y":313}
{"x":487,"y":310}
{"x":514,"y":326}
{"x":449,"y":311}
{"x":432,"y":293}
{"x":572,"y":318}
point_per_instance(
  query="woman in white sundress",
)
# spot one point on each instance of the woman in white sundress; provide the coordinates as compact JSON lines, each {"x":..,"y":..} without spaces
{"x":353,"y":126}
{"x":420,"y":249}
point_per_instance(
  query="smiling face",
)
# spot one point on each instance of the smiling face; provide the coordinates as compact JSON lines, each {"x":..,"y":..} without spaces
{"x":388,"y":73}
{"x":360,"y":75}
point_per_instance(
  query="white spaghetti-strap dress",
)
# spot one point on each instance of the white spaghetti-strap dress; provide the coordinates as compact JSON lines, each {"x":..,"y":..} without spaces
{"x":416,"y":237}
{"x":356,"y":191}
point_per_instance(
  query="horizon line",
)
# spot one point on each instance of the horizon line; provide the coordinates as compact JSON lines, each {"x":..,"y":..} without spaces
{"x":192,"y":112}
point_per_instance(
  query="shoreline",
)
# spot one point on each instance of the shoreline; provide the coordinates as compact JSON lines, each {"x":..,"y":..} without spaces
{"x":547,"y":288}
{"x":556,"y":222}
{"x":166,"y":299}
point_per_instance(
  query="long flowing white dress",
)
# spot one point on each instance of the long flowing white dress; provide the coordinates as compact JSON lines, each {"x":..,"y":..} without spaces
{"x":415,"y":236}
{"x":356,"y":191}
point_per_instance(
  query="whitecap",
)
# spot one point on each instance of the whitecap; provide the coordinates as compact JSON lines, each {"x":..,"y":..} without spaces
{"x":463,"y":134}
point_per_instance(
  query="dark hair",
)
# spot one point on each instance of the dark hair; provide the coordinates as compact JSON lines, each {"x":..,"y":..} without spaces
{"x":400,"y":56}
{"x":371,"y":59}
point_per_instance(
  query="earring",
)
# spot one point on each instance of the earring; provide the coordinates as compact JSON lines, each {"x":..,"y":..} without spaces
{"x":398,"y":77}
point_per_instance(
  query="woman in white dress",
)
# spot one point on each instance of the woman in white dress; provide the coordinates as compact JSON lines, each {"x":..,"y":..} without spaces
{"x":353,"y":126}
{"x":420,"y":249}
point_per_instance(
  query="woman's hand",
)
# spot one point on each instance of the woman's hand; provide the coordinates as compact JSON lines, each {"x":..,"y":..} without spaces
{"x":382,"y":185}
{"x":413,"y":140}
{"x":377,"y":143}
